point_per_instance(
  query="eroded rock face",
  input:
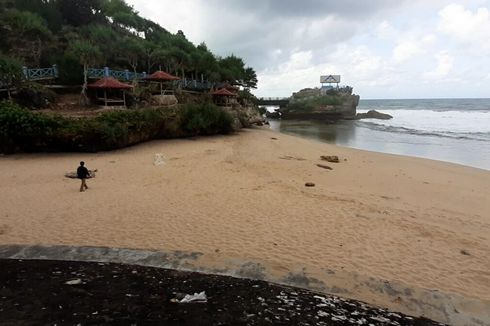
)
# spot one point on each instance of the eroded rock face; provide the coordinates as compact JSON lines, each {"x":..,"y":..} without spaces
{"x":373,"y":114}
{"x":245,"y":116}
{"x":273,"y":115}
{"x":165,"y":100}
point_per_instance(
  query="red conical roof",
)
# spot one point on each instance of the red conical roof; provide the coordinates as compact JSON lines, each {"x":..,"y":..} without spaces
{"x":161,"y":76}
{"x":109,"y":82}
{"x":223,"y":92}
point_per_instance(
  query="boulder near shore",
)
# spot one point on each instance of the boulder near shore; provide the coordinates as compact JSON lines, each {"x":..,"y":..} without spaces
{"x":373,"y":114}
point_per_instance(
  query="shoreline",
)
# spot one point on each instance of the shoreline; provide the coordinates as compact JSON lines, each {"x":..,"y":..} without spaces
{"x":390,"y":217}
{"x":292,"y":134}
{"x":373,"y":147}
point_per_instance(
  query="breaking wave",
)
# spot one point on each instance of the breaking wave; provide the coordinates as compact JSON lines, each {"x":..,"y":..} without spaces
{"x":479,"y":136}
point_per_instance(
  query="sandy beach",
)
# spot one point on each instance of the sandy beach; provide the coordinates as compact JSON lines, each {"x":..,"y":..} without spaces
{"x":422,"y":223}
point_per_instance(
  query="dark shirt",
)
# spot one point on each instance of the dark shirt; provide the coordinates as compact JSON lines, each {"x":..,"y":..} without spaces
{"x":82,"y":172}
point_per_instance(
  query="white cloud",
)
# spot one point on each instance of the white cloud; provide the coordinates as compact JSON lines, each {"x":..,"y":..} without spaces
{"x":444,"y":66}
{"x":386,"y":31}
{"x":406,"y":50}
{"x":464,"y":25}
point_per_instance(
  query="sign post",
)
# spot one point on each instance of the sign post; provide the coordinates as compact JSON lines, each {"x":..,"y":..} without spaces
{"x":330,"y":79}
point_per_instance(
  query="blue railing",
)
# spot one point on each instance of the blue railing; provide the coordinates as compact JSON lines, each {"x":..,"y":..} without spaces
{"x":40,"y":73}
{"x":271,"y":99}
{"x":118,"y":74}
{"x":126,"y":75}
{"x":194,"y":84}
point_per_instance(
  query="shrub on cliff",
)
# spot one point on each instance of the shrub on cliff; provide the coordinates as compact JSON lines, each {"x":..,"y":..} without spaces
{"x":34,"y":95}
{"x":24,"y":130}
{"x":205,"y":119}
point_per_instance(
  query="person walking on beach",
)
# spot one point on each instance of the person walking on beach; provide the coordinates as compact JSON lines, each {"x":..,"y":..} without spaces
{"x":83,"y":174}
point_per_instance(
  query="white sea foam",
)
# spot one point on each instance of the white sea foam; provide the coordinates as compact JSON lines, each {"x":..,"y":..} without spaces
{"x":464,"y":119}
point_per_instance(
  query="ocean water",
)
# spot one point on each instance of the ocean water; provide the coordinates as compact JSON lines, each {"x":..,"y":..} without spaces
{"x":452,"y":130}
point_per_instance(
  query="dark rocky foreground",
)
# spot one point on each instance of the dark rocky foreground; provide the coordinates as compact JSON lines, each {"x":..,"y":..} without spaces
{"x":35,"y":292}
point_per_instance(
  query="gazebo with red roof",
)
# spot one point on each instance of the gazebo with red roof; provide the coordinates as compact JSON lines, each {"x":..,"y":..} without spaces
{"x":161,"y":77}
{"x":223,"y":96}
{"x":110,"y":83}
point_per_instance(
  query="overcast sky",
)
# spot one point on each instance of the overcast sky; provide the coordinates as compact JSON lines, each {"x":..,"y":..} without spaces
{"x":383,"y":48}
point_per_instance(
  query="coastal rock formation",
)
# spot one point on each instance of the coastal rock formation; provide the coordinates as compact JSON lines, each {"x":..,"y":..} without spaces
{"x":343,"y":107}
{"x":373,"y":114}
{"x":244,"y":116}
{"x":273,"y":115}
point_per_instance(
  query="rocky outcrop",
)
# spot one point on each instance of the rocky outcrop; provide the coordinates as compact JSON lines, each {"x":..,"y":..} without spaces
{"x":373,"y":114}
{"x":344,"y":110}
{"x":273,"y":115}
{"x":244,"y":116}
{"x":165,"y":100}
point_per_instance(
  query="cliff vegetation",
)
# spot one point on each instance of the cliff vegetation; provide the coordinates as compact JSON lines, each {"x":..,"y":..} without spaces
{"x":28,"y":131}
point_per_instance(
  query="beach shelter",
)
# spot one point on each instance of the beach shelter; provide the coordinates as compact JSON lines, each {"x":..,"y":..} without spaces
{"x":161,"y":77}
{"x":223,"y":96}
{"x":108,"y":84}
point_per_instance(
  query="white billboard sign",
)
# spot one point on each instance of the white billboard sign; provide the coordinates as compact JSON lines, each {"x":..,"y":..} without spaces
{"x":330,"y":79}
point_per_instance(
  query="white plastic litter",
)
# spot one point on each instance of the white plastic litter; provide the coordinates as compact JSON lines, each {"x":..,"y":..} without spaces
{"x":196,"y":297}
{"x":74,"y":282}
{"x":158,"y":159}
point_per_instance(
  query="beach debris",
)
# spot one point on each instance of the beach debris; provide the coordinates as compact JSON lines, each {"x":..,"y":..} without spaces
{"x":464,"y":252}
{"x":309,"y":184}
{"x":381,"y":319}
{"x":73,"y":175}
{"x":76,"y":281}
{"x":323,"y":313}
{"x":287,"y":157}
{"x":158,"y":159}
{"x":273,"y":138}
{"x":196,"y":297}
{"x":324,"y":166}
{"x":330,"y":158}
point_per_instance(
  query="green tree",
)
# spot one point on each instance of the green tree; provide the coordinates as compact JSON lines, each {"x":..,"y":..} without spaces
{"x":87,"y":54}
{"x":24,"y":35}
{"x":105,"y":36}
{"x":249,"y":78}
{"x":180,"y":58}
{"x":131,"y":51}
{"x":48,"y":10}
{"x":154,"y":55}
{"x":80,"y":12}
{"x":10,"y":72}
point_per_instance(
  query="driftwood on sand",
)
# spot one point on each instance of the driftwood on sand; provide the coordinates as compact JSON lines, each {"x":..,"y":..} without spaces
{"x":73,"y":175}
